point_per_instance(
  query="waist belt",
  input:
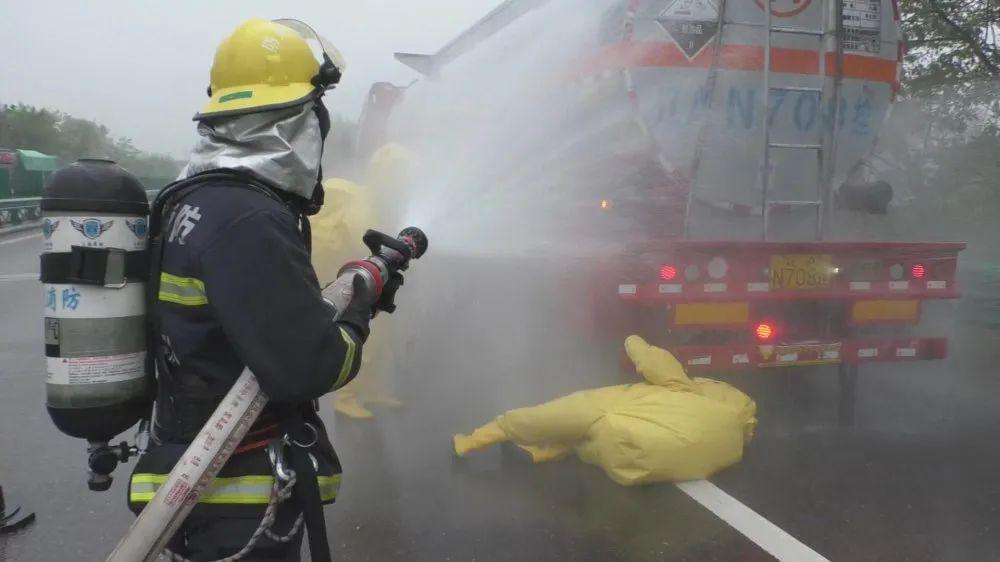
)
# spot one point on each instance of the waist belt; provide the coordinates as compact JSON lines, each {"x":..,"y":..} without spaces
{"x":258,"y":437}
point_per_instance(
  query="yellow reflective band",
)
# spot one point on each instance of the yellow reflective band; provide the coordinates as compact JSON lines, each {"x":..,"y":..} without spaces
{"x":186,"y":291}
{"x":345,"y":369}
{"x":237,"y":490}
{"x":328,"y":487}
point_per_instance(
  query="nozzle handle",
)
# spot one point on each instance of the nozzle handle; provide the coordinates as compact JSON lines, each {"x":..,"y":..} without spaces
{"x":376,"y":240}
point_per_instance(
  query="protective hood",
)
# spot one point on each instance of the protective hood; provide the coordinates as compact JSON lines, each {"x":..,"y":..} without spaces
{"x":392,"y":167}
{"x":658,"y":366}
{"x":282,"y":148}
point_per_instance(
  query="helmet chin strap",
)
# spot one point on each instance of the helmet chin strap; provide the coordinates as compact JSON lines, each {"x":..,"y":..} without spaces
{"x":323,"y":115}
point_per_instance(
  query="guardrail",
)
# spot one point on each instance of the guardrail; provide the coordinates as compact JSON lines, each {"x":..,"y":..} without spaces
{"x":16,"y":211}
{"x":26,"y":209}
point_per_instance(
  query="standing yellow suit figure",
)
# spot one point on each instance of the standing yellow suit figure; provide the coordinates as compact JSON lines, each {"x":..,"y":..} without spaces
{"x":348,"y":211}
{"x":669,"y":428}
{"x":336,"y":233}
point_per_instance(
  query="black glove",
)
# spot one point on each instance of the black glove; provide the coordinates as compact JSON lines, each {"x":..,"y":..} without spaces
{"x":359,"y":310}
{"x":386,"y":301}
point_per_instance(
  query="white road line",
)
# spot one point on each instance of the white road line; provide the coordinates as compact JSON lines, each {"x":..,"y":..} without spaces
{"x":19,"y":277}
{"x":20,"y":238}
{"x":752,"y":525}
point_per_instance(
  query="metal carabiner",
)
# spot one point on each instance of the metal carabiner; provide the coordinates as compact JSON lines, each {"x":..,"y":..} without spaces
{"x":276,"y":454}
{"x":312,"y":442}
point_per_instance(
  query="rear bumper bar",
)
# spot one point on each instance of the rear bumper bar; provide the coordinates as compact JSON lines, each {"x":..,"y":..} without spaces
{"x":751,"y":356}
{"x":668,"y":293}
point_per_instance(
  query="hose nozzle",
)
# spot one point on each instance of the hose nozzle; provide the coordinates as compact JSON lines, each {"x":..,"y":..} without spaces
{"x":415,"y":239}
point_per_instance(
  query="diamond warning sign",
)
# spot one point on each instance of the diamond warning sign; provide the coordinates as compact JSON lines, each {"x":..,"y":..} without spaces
{"x":691,"y":24}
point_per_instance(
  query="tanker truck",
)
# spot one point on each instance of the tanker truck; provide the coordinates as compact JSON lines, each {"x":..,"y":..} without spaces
{"x":718,"y":142}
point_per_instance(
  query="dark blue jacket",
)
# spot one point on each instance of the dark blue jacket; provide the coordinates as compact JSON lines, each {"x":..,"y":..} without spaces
{"x":236,"y":288}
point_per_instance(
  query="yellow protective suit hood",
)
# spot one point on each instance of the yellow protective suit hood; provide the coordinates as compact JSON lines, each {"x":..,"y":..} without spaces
{"x":670,"y":428}
{"x":348,"y":211}
{"x":392,"y":168}
{"x":337,"y":229}
{"x":657,"y":366}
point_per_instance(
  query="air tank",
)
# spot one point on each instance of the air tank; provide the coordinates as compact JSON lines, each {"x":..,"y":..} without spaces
{"x":93,"y":271}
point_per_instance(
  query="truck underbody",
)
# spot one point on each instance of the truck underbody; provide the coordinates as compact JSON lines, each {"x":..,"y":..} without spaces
{"x":728,"y":306}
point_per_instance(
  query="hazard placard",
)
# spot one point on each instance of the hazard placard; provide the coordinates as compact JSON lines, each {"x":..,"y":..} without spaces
{"x":787,"y":8}
{"x":862,"y":26}
{"x":691,"y":24}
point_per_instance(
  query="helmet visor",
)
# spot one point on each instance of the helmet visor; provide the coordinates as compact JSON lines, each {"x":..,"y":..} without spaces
{"x":321,"y":46}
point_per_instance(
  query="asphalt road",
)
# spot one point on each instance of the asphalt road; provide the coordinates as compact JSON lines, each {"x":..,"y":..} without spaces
{"x":915,"y":480}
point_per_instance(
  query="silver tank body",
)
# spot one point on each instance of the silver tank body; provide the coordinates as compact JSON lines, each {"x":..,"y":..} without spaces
{"x":563,"y":88}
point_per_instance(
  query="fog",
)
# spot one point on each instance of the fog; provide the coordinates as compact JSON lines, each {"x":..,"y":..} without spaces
{"x":511,"y":222}
{"x":141,"y":68}
{"x":554,"y":166}
{"x":507,"y":141}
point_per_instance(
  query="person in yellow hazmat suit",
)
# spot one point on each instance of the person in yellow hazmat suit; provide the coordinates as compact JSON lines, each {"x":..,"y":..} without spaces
{"x":336,"y":233}
{"x":669,"y":428}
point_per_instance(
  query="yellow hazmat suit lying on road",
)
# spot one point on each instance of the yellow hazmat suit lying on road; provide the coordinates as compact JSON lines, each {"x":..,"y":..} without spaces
{"x":669,"y":428}
{"x":347,"y":212}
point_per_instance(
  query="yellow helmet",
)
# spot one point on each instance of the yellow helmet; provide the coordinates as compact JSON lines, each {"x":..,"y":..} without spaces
{"x":265,"y":65}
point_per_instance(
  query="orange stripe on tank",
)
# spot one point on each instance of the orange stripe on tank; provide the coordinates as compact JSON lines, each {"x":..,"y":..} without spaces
{"x":645,"y":54}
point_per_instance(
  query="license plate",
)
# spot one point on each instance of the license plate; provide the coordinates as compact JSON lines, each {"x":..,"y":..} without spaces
{"x":799,"y":355}
{"x":800,"y":271}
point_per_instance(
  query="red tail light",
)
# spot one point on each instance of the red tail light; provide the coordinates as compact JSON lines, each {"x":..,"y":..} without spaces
{"x":668,"y":272}
{"x":764,"y":331}
{"x":918,"y":270}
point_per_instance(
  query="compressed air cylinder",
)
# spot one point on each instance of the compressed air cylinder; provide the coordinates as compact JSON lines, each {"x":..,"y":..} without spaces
{"x":93,"y":269}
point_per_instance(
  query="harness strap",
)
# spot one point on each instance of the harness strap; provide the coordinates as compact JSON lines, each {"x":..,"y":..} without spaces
{"x":306,"y":492}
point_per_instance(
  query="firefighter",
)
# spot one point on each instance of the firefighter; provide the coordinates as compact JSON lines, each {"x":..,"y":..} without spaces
{"x":234,"y":288}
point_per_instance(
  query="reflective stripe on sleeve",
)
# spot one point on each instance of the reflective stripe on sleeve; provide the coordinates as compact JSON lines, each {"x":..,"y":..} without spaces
{"x":237,"y":490}
{"x":345,"y":369}
{"x":186,"y":291}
